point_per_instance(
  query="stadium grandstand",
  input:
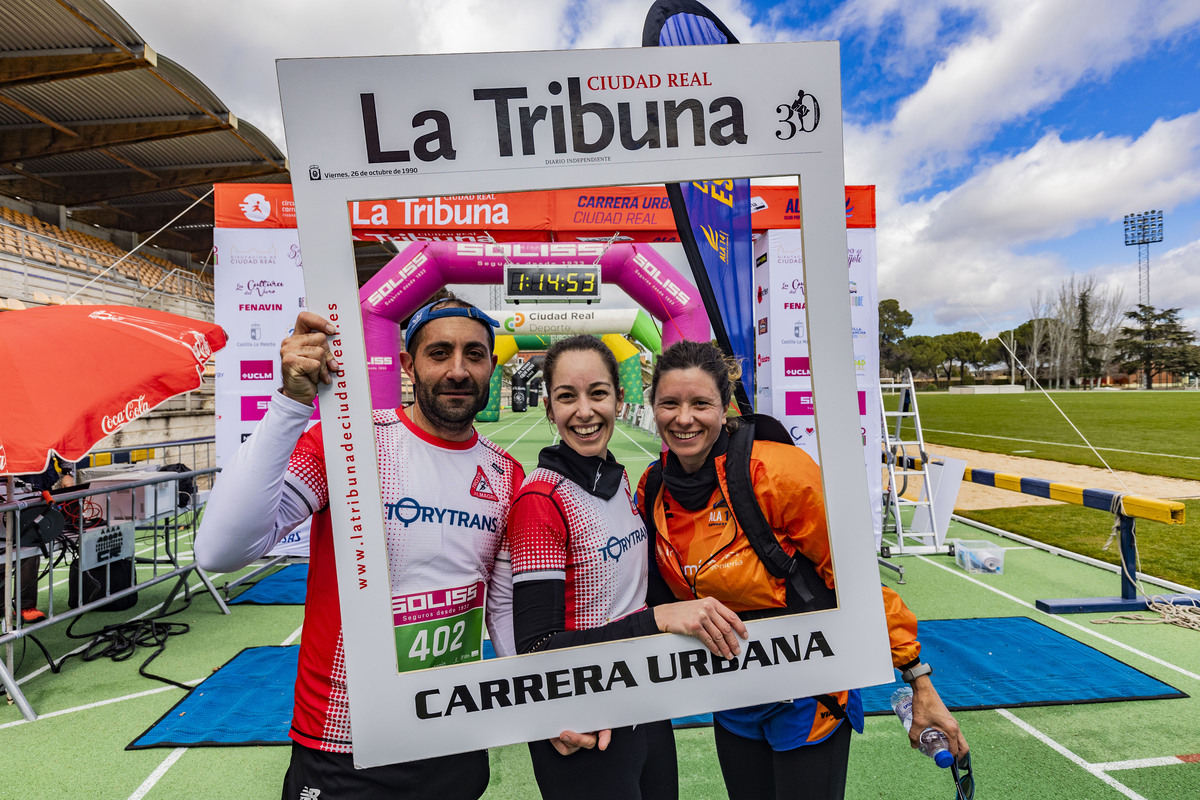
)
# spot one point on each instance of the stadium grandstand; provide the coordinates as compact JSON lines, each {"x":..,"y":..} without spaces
{"x":108,"y":147}
{"x":108,"y":154}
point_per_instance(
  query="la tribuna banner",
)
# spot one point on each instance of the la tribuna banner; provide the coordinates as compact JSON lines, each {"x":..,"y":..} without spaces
{"x":631,"y":213}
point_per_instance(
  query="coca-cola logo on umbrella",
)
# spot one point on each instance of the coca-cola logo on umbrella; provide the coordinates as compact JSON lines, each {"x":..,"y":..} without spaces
{"x":133,"y":409}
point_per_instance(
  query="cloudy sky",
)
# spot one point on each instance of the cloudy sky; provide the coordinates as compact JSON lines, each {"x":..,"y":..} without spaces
{"x":1007,"y":138}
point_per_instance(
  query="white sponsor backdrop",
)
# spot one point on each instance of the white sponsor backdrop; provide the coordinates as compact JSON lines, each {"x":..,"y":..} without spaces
{"x":258,"y":287}
{"x":420,"y":126}
{"x":783,"y":363}
{"x":258,"y":290}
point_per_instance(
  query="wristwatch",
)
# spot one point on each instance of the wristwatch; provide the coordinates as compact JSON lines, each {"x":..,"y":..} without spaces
{"x":912,"y":673}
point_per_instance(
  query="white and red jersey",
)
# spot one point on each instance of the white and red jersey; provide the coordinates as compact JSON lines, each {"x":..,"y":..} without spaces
{"x":559,"y":531}
{"x":445,"y":505}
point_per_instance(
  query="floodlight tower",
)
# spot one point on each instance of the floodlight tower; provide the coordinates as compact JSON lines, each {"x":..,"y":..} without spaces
{"x":1143,"y":229}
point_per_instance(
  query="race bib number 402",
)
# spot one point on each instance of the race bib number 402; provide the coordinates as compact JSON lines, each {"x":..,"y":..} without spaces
{"x":438,"y":627}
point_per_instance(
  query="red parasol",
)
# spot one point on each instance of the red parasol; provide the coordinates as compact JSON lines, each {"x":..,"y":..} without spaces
{"x":74,"y":374}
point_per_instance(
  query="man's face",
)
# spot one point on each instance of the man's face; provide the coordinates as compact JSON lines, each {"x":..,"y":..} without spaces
{"x":450,"y":370}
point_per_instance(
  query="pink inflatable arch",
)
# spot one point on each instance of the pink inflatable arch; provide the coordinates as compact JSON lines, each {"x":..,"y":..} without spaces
{"x":423,"y":268}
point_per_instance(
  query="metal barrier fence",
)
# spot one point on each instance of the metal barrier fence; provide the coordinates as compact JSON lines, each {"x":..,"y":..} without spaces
{"x":113,"y":541}
{"x":198,"y":453}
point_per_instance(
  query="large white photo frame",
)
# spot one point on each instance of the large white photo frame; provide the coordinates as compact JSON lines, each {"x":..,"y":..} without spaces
{"x":424,"y":126}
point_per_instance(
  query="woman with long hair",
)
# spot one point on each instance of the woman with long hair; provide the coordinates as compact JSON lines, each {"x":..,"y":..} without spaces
{"x":795,"y":748}
{"x":571,"y":586}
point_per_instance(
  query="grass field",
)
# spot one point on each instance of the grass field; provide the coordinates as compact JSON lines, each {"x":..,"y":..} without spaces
{"x":1166,"y":551}
{"x":1154,"y":432}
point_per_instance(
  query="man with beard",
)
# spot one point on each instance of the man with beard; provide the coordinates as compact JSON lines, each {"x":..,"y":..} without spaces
{"x":431,"y":460}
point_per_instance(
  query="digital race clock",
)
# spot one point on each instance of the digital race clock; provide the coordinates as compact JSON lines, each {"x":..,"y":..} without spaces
{"x":551,"y":282}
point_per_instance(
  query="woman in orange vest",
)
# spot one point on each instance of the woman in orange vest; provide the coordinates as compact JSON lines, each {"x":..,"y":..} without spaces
{"x":795,"y":748}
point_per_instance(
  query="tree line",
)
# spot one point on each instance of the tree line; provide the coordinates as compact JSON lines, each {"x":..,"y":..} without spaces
{"x":1075,"y":337}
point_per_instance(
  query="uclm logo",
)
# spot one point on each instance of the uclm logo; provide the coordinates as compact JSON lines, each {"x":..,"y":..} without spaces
{"x":796,"y":367}
{"x":258,"y":370}
{"x":255,"y":408}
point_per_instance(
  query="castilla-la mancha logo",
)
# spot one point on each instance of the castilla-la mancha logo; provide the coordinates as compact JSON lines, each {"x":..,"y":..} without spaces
{"x":132,"y":410}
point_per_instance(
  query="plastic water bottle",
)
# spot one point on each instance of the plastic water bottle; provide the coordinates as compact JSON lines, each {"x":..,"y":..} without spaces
{"x":933,"y":742}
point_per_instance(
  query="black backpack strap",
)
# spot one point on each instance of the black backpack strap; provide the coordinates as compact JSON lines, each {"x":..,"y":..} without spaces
{"x":830,"y":702}
{"x":657,"y":590}
{"x":801,"y":575}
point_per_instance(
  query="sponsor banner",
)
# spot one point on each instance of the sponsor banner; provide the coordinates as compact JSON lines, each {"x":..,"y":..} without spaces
{"x":797,"y":367}
{"x":763,"y":399}
{"x":565,"y":321}
{"x":253,"y":205}
{"x":254,"y":407}
{"x":456,"y":128}
{"x":258,"y":288}
{"x":639,"y":213}
{"x":779,"y":271}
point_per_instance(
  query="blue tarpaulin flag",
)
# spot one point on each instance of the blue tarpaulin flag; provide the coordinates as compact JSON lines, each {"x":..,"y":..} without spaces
{"x":713,"y":216}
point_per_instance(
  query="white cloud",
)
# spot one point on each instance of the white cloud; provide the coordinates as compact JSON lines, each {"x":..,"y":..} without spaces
{"x":1055,"y":188}
{"x":958,"y":256}
{"x":1025,"y":56}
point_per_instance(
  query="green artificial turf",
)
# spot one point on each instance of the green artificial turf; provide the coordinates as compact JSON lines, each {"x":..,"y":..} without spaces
{"x":1166,"y":551}
{"x":1157,"y":428}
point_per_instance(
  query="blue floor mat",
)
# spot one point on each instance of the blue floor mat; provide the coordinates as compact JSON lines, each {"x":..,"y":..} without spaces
{"x":1006,"y":662}
{"x":1010,"y":662}
{"x":287,"y":587}
{"x":248,"y":701}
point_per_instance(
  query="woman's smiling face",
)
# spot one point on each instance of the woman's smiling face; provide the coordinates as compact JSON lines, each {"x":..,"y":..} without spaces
{"x":689,"y":414}
{"x":583,"y":402}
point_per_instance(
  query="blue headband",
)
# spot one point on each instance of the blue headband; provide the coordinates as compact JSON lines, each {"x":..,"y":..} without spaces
{"x":428,"y":313}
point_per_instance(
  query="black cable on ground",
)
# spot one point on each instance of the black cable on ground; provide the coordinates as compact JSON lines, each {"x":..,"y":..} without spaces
{"x":121,"y":640}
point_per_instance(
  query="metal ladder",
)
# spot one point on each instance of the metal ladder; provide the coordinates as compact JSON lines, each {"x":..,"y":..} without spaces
{"x":900,"y":466}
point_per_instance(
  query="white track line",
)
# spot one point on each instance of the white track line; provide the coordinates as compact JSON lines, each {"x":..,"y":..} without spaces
{"x":156,"y":776}
{"x":99,"y":703}
{"x":170,"y":760}
{"x":1094,"y":769}
{"x":1058,"y":618}
{"x":636,"y":442}
{"x":295,"y":635}
{"x":509,"y":425}
{"x":1063,"y":444}
{"x":1139,"y":763}
{"x":513,"y":443}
